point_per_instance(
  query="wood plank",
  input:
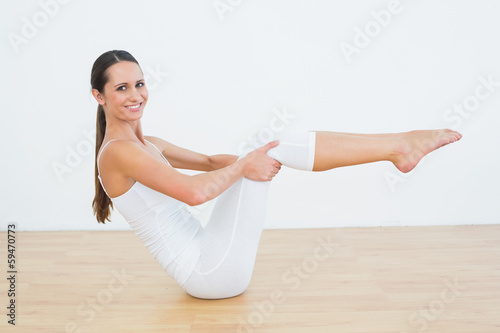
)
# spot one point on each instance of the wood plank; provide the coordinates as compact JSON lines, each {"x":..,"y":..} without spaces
{"x":391,"y":279}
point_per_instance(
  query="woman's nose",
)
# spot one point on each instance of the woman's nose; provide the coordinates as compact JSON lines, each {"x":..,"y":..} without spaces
{"x":135,"y":95}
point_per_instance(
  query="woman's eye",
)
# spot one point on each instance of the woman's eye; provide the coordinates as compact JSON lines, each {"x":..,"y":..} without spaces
{"x":122,"y":88}
{"x":140,"y":84}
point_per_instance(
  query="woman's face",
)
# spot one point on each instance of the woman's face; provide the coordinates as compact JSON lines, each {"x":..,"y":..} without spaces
{"x":125,"y":94}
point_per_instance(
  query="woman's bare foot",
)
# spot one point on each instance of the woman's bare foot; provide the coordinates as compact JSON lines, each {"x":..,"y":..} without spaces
{"x":414,"y":145}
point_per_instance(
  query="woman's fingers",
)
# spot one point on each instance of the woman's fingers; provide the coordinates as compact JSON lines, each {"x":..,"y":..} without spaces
{"x":262,"y":166}
{"x":276,"y":169}
{"x":269,"y":145}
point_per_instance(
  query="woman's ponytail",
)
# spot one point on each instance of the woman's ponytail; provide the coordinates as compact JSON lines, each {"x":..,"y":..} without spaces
{"x":101,"y":204}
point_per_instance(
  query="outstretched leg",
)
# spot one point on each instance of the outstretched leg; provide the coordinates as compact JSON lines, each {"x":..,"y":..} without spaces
{"x":224,"y":251}
{"x":404,"y":150}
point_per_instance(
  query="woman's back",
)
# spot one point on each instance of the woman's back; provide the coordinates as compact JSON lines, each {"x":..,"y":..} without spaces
{"x":164,"y":224}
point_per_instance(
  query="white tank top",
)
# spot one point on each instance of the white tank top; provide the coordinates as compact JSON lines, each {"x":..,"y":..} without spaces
{"x":164,"y":225}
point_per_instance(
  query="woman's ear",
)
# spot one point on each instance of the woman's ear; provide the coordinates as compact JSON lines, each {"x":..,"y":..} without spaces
{"x":98,"y":96}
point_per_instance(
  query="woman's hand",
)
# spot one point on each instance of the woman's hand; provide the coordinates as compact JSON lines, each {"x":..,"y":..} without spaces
{"x":259,"y":166}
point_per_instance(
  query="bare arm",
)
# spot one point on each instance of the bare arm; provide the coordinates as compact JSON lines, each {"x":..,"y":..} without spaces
{"x":221,"y":161}
{"x":186,"y":159}
{"x":128,"y":161}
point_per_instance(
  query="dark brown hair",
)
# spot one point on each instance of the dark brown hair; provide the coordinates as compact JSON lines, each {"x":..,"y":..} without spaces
{"x":99,"y":77}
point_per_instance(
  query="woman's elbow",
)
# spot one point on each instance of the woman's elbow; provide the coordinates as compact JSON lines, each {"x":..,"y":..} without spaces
{"x":196,"y":198}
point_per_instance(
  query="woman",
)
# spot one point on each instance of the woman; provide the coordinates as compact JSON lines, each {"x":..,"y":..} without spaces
{"x":137,"y":175}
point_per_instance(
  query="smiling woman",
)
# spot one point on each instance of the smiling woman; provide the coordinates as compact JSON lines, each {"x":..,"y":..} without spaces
{"x":100,"y":77}
{"x":137,"y":175}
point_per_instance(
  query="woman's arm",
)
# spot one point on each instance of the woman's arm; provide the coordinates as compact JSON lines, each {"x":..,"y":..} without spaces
{"x":221,"y":161}
{"x":127,"y":160}
{"x":186,"y":159}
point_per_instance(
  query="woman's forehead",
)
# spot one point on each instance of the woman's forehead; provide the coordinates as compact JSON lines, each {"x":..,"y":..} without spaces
{"x":125,"y":71}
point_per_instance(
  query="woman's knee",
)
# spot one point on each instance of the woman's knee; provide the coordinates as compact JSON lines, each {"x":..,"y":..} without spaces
{"x":296,"y":149}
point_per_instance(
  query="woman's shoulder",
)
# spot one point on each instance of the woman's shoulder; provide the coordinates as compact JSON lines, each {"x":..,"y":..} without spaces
{"x":158,"y":142}
{"x":114,"y":148}
{"x":162,"y":145}
{"x":113,"y":144}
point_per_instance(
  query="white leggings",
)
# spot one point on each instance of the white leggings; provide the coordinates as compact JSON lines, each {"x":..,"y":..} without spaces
{"x":227,"y":246}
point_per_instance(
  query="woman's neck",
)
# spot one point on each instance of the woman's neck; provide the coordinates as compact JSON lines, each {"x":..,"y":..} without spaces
{"x":125,"y":130}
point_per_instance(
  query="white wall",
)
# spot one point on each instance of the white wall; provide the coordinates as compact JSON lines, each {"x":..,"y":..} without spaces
{"x":220,"y":70}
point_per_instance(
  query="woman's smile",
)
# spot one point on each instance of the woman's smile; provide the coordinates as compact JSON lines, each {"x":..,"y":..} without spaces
{"x":135,"y":107}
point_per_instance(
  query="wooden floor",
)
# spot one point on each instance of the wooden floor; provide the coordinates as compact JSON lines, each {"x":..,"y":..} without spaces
{"x":348,"y":280}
